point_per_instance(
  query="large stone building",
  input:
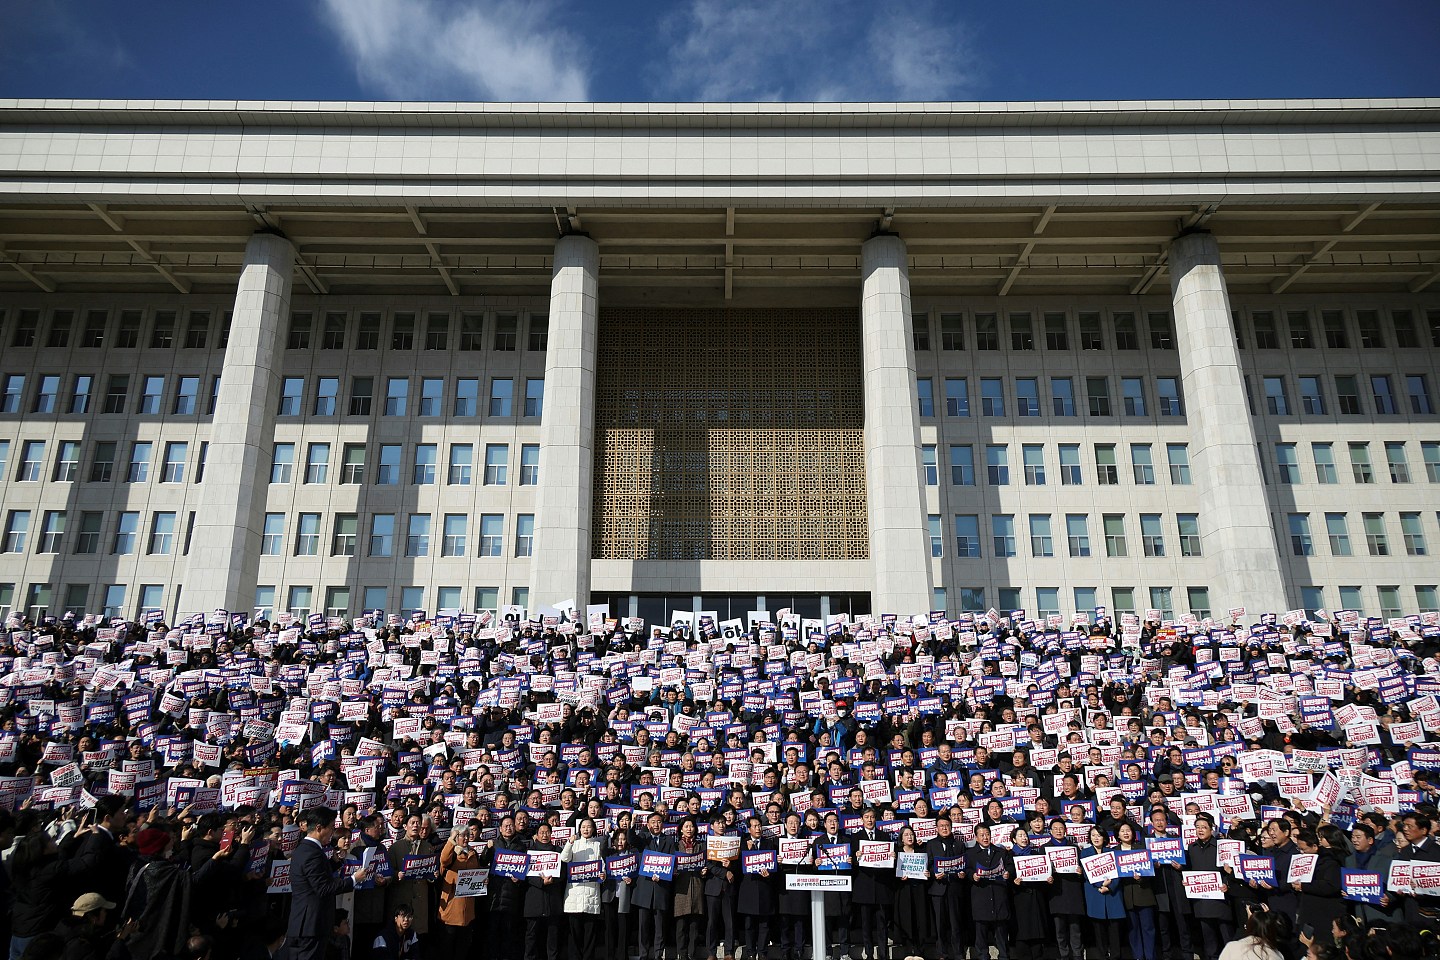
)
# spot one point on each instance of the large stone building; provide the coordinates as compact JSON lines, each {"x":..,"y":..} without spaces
{"x":871,"y":357}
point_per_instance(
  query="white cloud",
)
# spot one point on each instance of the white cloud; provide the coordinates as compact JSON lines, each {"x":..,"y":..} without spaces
{"x":764,"y":50}
{"x":460,"y":49}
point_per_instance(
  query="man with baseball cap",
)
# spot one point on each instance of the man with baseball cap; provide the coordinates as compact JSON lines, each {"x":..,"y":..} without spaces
{"x":84,"y":931}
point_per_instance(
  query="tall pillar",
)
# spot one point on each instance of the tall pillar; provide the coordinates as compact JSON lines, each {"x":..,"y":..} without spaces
{"x":899,"y":540}
{"x":1238,"y":538}
{"x":560,"y":566}
{"x":225,"y":556}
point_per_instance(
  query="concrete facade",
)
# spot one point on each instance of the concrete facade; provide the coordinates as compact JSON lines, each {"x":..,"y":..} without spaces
{"x":1045,"y":427}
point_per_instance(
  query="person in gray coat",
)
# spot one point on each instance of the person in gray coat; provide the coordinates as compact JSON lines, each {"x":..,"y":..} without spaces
{"x":1375,"y":856}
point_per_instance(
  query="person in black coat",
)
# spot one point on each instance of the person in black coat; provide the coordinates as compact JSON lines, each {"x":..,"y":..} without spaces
{"x":507,"y":898}
{"x":42,"y":879}
{"x":947,"y":890}
{"x":1213,"y":916}
{"x":837,"y":905}
{"x":794,"y":916}
{"x":101,"y":846}
{"x":544,"y":905}
{"x":720,"y":885}
{"x":757,"y":898}
{"x":1320,"y":901}
{"x":873,"y":891}
{"x":314,"y":886}
{"x":1067,"y":902}
{"x":990,"y":871}
{"x":652,"y":897}
{"x":1173,"y":915}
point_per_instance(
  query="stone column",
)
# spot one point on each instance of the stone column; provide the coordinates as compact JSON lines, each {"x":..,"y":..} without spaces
{"x":894,"y":478}
{"x":560,"y":566}
{"x":225,"y":552}
{"x":1238,"y":538}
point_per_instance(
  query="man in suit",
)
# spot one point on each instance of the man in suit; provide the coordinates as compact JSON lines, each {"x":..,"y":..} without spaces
{"x":873,"y":893}
{"x":652,"y":897}
{"x":947,"y":890}
{"x":314,"y":886}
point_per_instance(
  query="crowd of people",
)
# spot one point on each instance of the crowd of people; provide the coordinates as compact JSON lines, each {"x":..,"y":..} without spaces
{"x":461,"y":786}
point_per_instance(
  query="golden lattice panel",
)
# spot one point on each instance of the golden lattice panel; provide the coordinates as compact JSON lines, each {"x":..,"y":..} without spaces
{"x":729,"y":435}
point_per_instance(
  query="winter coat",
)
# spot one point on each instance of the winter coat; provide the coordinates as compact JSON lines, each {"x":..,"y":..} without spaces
{"x":43,"y":893}
{"x":454,"y":857}
{"x":1102,"y":906}
{"x":1137,"y":893}
{"x":989,"y":896}
{"x":1381,"y":856}
{"x":1202,"y":855}
{"x":544,"y":901}
{"x":757,"y":896}
{"x":582,"y":897}
{"x":652,"y":894}
{"x":1320,"y":902}
{"x":414,"y":893}
{"x":870,"y":886}
{"x":1067,"y":898}
{"x":507,"y":895}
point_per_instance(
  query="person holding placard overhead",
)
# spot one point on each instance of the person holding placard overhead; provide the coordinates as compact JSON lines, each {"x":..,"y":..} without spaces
{"x":582,"y":897}
{"x":756,"y":900}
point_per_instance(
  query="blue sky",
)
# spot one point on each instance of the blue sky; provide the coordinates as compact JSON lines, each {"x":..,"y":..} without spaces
{"x":745,"y":50}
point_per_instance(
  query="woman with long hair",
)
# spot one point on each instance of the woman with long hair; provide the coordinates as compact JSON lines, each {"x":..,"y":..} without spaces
{"x":912,"y":906}
{"x":1104,"y":904}
{"x":1320,"y":902}
{"x":1031,"y":916}
{"x":688,"y":893}
{"x":1067,"y":902}
{"x":1137,"y":894}
{"x":615,"y":901}
{"x":1267,"y":936}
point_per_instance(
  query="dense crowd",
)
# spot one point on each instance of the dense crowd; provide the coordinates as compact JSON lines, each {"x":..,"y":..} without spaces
{"x":459,"y":786}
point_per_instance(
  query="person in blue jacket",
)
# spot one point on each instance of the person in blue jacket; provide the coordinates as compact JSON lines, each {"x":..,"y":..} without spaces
{"x":1104,"y":904}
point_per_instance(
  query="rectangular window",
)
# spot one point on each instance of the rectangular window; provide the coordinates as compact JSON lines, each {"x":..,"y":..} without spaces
{"x":1324,"y":454}
{"x":347,"y":529}
{"x":173,"y":468}
{"x":1266,"y":337}
{"x":162,"y":533}
{"x":1142,"y":464}
{"x":1375,"y":538}
{"x":1301,"y":337}
{"x":1430,"y":453}
{"x":997,"y":465}
{"x":1160,"y":600}
{"x":103,"y":466}
{"x":1406,"y":338}
{"x":1162,"y":335}
{"x":967,"y":535}
{"x":432,"y":396}
{"x":292,"y":391}
{"x":80,"y":394}
{"x":1056,"y":337}
{"x":1132,"y":392}
{"x":417,"y":536}
{"x":472,"y":332}
{"x":127,"y":528}
{"x":992,"y":397}
{"x":1172,"y":402}
{"x":524,"y":534}
{"x":368,"y":336}
{"x":87,"y":539}
{"x":117,"y":393}
{"x":1047,"y":602}
{"x":1418,"y":386}
{"x":1022,"y":336}
{"x":1062,"y":396}
{"x":925,"y":394}
{"x":972,"y":599}
{"x":1107,"y":472}
{"x":920,"y":331}
{"x":382,"y":535}
{"x":282,"y":463}
{"x":1114,"y":524}
{"x":352,"y":463}
{"x":300,"y":600}
{"x":17,"y":526}
{"x":1351,"y":598}
{"x":937,"y":535}
{"x":987,"y":331}
{"x":1086,"y":599}
{"x":317,"y":463}
{"x":535,"y":396}
{"x":337,"y":601}
{"x":502,"y":391}
{"x":1077,"y":534}
{"x":1188,"y":525}
{"x":1126,"y":337}
{"x":952,"y":331}
{"x":539,"y":333}
{"x":1414,"y":534}
{"x":437,"y":332}
{"x":1277,"y":403}
{"x":52,"y":529}
{"x":362,"y":393}
{"x":505,"y":331}
{"x":425,"y":457}
{"x":387,"y":472}
{"x":1312,"y":598}
{"x":14,"y":393}
{"x":402,"y":332}
{"x":1287,"y":466}
{"x":1389,"y":602}
{"x":1178,"y":455}
{"x":307,"y":535}
{"x":48,"y":396}
{"x":327,"y":392}
{"x":1338,"y":530}
{"x":1312,"y":401}
{"x":1347,"y":394}
{"x":1097,"y":392}
{"x":1152,"y":538}
{"x":1002,"y":529}
{"x":1070,"y":465}
{"x":928,"y":462}
{"x":214,"y":396}
{"x":1398,"y":463}
{"x":152,"y":393}
{"x":529,"y":464}
{"x":128,"y":336}
{"x":1027,"y":396}
{"x":139,"y":470}
{"x":1360,"y":463}
{"x":1427,"y":598}
{"x":467,"y":396}
{"x":299,"y":338}
{"x":1384,"y":395}
{"x":397,"y":394}
{"x":492,"y":534}
{"x":93,"y":336}
{"x":1122,"y":599}
{"x":272,"y":535}
{"x":957,"y":397}
{"x":497,"y":464}
{"x":453,"y":542}
{"x":32,"y":461}
{"x":1092,"y":334}
{"x":1336,"y":337}
{"x":1371,"y":336}
{"x":187,"y":390}
{"x":462,"y":460}
{"x":1042,"y":542}
{"x":1033,"y":456}
{"x":334,"y":336}
{"x":962,"y":465}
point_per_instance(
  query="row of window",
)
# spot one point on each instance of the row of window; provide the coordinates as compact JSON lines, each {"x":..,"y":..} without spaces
{"x":331,"y":330}
{"x":1123,"y":332}
{"x":423,"y":464}
{"x":1348,"y":400}
{"x":1032,"y":460}
{"x":1169,"y":401}
{"x":182,"y":399}
{"x":1397,"y":462}
{"x":127,"y":537}
{"x":300,"y":599}
{"x":1377,"y":534}
{"x":1074,"y":527}
{"x":39,"y":598}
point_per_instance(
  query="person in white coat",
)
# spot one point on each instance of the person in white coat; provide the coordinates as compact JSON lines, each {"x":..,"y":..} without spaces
{"x":582,"y":900}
